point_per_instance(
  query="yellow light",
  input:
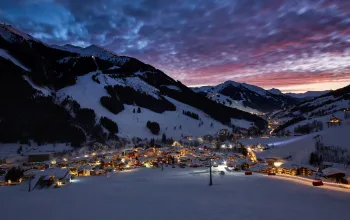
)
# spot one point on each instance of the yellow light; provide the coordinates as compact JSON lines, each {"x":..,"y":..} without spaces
{"x":277,"y":164}
{"x":53,"y":162}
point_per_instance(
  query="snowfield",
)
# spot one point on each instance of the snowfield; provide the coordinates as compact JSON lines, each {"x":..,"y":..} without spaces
{"x":175,"y":194}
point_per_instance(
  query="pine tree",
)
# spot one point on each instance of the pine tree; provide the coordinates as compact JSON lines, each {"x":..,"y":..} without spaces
{"x":133,"y":111}
{"x":164,"y":138}
{"x":19,"y":151}
{"x":138,"y":110}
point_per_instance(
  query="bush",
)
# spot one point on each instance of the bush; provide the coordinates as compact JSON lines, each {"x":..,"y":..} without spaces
{"x":153,"y":127}
{"x":112,"y":104}
{"x":110,"y":125}
{"x":191,"y":114}
{"x":95,"y":79}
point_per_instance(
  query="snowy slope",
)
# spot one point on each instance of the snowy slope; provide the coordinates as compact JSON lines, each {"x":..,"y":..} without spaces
{"x":87,"y":93}
{"x":300,"y":147}
{"x":11,"y":34}
{"x":5,"y":54}
{"x":320,"y":109}
{"x":246,"y":97}
{"x":96,"y":51}
{"x":308,"y":94}
{"x":238,"y":104}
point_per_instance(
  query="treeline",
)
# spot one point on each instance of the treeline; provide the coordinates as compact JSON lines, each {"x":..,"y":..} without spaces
{"x":308,"y":128}
{"x":333,"y":154}
{"x":215,"y":110}
{"x":130,"y":96}
{"x":110,"y":125}
{"x":153,"y":127}
{"x":191,"y":114}
{"x":112,"y":104}
{"x":289,"y":123}
{"x":25,"y":114}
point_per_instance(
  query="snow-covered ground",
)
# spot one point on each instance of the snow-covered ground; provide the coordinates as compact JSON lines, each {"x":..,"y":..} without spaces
{"x":175,"y":194}
{"x":10,"y":150}
{"x":87,"y":93}
{"x":300,"y":147}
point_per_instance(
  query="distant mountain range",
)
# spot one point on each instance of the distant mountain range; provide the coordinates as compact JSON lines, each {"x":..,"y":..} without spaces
{"x":302,"y":96}
{"x":247,"y":97}
{"x":318,"y":109}
{"x":75,"y":95}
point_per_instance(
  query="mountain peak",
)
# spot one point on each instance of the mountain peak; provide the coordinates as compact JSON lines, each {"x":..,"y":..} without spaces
{"x":11,"y":34}
{"x":275,"y":91}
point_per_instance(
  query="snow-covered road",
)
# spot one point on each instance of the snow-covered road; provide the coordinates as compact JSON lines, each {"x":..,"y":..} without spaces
{"x":175,"y":194}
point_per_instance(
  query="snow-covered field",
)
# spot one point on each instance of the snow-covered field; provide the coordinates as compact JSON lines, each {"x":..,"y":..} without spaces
{"x":175,"y":194}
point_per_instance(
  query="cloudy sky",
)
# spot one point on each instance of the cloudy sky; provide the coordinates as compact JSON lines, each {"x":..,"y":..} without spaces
{"x":293,"y":45}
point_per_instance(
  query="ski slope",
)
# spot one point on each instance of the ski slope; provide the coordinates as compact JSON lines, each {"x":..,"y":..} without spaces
{"x":175,"y":194}
{"x":88,"y":93}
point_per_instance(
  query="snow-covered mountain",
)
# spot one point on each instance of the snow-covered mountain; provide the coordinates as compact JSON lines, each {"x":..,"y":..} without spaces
{"x":307,"y":95}
{"x":332,"y":104}
{"x":246,"y":97}
{"x":72,"y":94}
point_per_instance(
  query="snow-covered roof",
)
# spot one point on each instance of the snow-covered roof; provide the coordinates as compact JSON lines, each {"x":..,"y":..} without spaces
{"x":330,"y":171}
{"x":57,"y":172}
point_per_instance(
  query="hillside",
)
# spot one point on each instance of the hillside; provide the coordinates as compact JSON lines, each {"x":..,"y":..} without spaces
{"x":307,"y":95}
{"x":300,"y":148}
{"x":246,"y":97}
{"x":333,"y":104}
{"x":66,"y":90}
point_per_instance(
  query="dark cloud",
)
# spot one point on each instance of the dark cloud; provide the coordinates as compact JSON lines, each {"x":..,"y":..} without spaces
{"x":195,"y":39}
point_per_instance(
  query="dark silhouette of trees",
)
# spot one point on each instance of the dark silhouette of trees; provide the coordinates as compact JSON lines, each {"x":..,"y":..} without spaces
{"x":112,"y":104}
{"x":153,"y":127}
{"x":110,"y":125}
{"x":191,"y":114}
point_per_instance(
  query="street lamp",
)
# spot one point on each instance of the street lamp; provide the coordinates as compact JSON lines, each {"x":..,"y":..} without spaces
{"x":211,"y":179}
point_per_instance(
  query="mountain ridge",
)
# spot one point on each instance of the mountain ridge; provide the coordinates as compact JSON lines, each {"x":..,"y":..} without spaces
{"x":59,"y":77}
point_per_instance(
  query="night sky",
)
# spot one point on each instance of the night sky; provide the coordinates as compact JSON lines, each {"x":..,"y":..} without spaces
{"x":293,"y":45}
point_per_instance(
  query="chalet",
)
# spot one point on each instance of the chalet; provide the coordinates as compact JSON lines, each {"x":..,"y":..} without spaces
{"x":52,"y":176}
{"x":84,"y":171}
{"x":334,"y":121}
{"x":334,"y":173}
{"x":306,"y":170}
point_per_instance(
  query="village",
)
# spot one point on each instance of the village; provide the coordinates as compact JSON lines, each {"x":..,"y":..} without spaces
{"x":44,"y":169}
